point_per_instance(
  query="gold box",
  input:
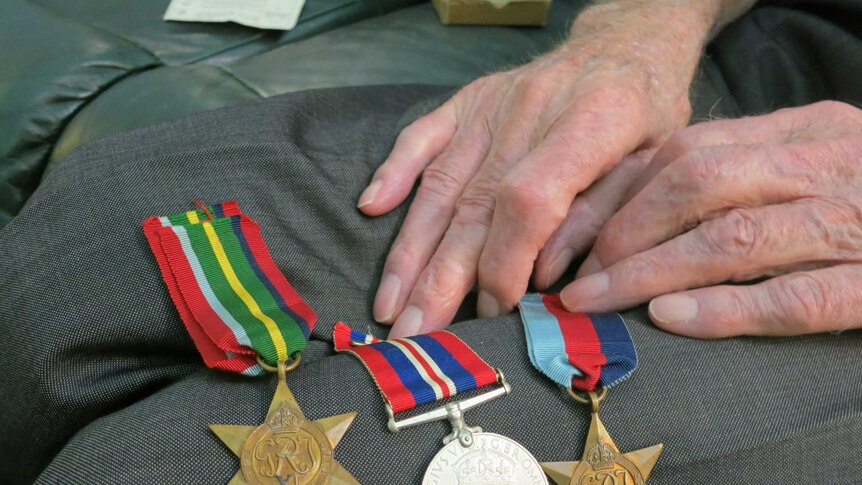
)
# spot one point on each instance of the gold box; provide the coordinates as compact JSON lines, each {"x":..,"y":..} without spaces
{"x":496,"y":12}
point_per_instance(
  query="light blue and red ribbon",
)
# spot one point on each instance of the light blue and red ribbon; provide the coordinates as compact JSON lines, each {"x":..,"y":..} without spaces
{"x":416,"y":370}
{"x":577,"y":350}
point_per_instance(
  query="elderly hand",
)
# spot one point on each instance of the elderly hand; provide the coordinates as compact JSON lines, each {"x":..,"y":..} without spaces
{"x":776,"y":196}
{"x":502,"y":160}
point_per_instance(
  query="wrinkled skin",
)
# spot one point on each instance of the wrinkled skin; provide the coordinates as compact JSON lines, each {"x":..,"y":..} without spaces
{"x":506,"y":165}
{"x":776,"y":197}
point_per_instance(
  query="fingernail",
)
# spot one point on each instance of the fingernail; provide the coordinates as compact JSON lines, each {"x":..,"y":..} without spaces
{"x":585,"y":290}
{"x":369,"y":194}
{"x":591,"y":265}
{"x":559,"y":265}
{"x":486,"y":305}
{"x":669,"y":309}
{"x":387,"y":295}
{"x":408,"y":323}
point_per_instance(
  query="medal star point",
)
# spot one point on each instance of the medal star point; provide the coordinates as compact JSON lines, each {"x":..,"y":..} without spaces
{"x":642,"y":460}
{"x":560,"y":471}
{"x":235,"y":436}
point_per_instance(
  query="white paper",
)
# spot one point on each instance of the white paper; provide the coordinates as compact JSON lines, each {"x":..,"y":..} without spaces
{"x":262,"y":14}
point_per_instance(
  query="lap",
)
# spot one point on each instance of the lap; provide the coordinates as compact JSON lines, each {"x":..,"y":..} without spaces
{"x":103,"y":385}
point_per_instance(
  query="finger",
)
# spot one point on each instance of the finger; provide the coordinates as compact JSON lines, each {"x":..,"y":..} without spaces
{"x":658,"y":203}
{"x":719,"y":133}
{"x":535,"y":196}
{"x":822,"y":300}
{"x":776,"y":127}
{"x":445,"y":281}
{"x":741,"y":245}
{"x":416,"y":146}
{"x":588,"y":213}
{"x":701,"y":186}
{"x":427,"y":220}
{"x":451,"y":272}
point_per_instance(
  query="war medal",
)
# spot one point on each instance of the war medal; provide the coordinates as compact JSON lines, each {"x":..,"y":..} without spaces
{"x":423,"y":369}
{"x":245,"y":317}
{"x":586,"y":354}
{"x":286,"y":448}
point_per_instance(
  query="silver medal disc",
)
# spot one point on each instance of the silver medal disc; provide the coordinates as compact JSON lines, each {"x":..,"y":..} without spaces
{"x":491,"y":459}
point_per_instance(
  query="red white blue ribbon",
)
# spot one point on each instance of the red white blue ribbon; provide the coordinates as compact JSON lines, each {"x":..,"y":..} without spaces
{"x":577,"y":350}
{"x":416,"y":370}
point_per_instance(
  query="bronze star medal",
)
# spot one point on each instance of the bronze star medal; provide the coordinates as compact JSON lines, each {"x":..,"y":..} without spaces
{"x":602,"y":462}
{"x":287,"y":449}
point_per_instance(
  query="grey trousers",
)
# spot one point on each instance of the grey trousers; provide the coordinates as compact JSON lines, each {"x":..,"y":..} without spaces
{"x":101,"y":384}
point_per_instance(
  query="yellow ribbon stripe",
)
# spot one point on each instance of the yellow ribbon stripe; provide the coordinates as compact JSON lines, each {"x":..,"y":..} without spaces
{"x":193,"y":217}
{"x":277,"y":339}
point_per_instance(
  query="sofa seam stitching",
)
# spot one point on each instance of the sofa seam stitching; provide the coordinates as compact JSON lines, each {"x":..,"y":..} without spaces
{"x":242,"y":82}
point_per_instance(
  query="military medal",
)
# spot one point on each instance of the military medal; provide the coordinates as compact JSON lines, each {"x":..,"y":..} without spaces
{"x":586,"y":354}
{"x":286,"y":448}
{"x":245,"y":317}
{"x":423,"y":369}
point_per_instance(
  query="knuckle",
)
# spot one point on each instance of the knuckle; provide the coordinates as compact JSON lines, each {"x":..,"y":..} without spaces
{"x":834,"y":221}
{"x":802,"y":301}
{"x":837,"y":108}
{"x":475,"y":206}
{"x":848,"y":214}
{"x":475,"y":87}
{"x":403,"y":255}
{"x":634,"y":97}
{"x":571,"y":146}
{"x":417,"y":129}
{"x":682,"y":111}
{"x":438,"y":183}
{"x":523,"y":197}
{"x":736,"y":235}
{"x":500,"y":157}
{"x":835,"y":112}
{"x":734,"y":315}
{"x":611,"y":242}
{"x":619,"y":96}
{"x":639,"y":268}
{"x":535,"y":88}
{"x":443,"y":280}
{"x":495,"y":272}
{"x":735,"y":310}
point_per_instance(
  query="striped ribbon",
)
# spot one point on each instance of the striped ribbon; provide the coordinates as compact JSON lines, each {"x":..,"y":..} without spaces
{"x":235,"y":302}
{"x":576,"y":349}
{"x":416,"y":370}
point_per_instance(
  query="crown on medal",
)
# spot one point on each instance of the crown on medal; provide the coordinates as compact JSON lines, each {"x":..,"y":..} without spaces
{"x":601,"y":456}
{"x":485,"y":468}
{"x":283,"y":419}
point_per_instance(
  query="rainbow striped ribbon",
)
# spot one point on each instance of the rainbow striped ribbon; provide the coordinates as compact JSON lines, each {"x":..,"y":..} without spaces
{"x":235,"y":302}
{"x":577,"y":349}
{"x":416,"y":370}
